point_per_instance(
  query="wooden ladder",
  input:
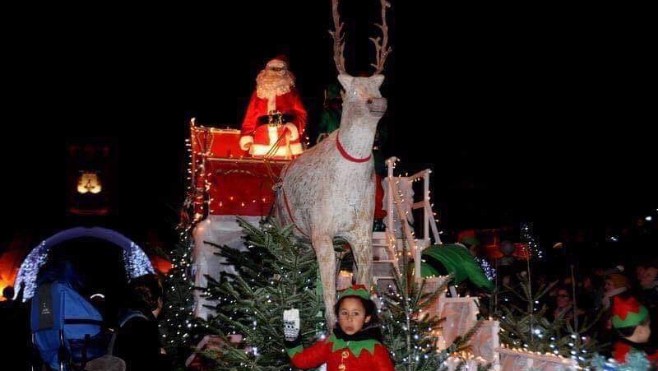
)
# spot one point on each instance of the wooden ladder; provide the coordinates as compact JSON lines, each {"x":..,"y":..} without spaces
{"x":388,"y":245}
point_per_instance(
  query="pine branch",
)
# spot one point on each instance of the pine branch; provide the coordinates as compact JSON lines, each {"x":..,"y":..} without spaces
{"x":276,"y":272}
{"x":530,"y":330}
{"x":408,"y":334}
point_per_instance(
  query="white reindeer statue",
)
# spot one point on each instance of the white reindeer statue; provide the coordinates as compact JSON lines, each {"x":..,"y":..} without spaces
{"x":329,"y":190}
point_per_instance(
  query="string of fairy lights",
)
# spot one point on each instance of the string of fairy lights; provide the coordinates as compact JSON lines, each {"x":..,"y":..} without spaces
{"x":404,"y":207}
{"x":182,"y":265}
{"x":179,"y":322}
{"x":533,"y":251}
{"x":179,"y":318}
{"x":136,"y":262}
{"x":532,"y":246}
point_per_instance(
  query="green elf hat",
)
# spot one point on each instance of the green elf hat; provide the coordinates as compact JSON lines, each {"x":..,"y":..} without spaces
{"x":355,"y":290}
{"x":627,"y":312}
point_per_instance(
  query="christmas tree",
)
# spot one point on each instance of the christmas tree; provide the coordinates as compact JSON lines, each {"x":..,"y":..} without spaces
{"x":179,"y":328}
{"x":277,"y":272}
{"x":410,"y":332}
{"x":524,"y":325}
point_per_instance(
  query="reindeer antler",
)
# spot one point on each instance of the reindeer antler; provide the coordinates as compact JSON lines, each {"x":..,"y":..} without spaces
{"x":339,"y":42}
{"x":381,"y":43}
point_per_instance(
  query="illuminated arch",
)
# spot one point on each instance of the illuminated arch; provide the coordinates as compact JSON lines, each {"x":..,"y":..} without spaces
{"x":135,"y":260}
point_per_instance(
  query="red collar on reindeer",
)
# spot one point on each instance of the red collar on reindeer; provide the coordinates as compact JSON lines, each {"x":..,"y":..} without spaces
{"x":347,"y":156}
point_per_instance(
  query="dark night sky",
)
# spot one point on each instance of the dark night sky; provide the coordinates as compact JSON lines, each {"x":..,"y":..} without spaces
{"x":539,"y":113}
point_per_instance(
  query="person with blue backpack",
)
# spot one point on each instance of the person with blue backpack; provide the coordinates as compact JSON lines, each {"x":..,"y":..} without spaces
{"x":138,"y":336}
{"x":67,"y":331}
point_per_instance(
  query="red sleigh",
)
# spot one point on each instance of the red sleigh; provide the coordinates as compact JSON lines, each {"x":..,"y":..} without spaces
{"x":227,"y":181}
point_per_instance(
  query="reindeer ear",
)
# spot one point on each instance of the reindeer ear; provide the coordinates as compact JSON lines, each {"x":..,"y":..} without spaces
{"x":379,"y":79}
{"x":345,"y":81}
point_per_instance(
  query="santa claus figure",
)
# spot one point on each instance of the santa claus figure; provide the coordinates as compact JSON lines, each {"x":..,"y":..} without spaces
{"x":275,"y":119}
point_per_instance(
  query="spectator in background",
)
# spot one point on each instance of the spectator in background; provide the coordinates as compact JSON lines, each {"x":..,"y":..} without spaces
{"x":647,"y":278}
{"x":8,"y":293}
{"x":14,"y":323}
{"x":138,"y":336}
{"x":647,"y":292}
{"x":590,"y":294}
{"x":564,"y":307}
{"x":614,"y":284}
{"x":197,"y":361}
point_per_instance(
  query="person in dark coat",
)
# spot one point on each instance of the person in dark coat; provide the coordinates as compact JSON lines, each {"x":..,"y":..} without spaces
{"x":138,"y":337}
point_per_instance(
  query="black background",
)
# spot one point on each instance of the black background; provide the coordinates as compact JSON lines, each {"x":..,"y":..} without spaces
{"x":536,"y":112}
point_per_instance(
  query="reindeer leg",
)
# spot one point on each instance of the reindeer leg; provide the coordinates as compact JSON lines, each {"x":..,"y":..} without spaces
{"x":361,"y":243}
{"x":324,"y":251}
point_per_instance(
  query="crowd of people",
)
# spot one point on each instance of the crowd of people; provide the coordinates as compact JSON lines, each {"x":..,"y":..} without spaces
{"x":131,"y":337}
{"x":623,"y":302}
{"x":616,"y":306}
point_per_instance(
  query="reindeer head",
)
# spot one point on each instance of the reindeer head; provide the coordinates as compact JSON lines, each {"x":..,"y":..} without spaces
{"x":360,"y":90}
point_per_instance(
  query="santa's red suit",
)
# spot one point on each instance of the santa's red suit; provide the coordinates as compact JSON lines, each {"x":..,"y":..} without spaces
{"x":275,"y":119}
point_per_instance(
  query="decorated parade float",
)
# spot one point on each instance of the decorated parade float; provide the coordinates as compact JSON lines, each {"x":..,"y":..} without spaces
{"x":257,"y":185}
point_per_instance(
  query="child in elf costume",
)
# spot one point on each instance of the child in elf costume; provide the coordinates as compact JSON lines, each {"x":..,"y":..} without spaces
{"x":355,"y":343}
{"x":630,"y":320}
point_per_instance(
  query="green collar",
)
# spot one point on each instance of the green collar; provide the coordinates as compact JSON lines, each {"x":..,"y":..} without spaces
{"x":355,"y":346}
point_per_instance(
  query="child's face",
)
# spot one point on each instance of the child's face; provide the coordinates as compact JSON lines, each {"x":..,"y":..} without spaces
{"x":352,"y":315}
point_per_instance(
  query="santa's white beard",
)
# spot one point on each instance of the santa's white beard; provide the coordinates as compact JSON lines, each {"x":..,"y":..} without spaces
{"x":270,"y":84}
